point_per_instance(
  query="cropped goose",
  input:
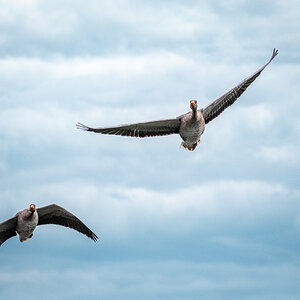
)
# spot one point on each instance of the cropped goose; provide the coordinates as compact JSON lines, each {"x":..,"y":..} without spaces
{"x":191,"y":125}
{"x":25,"y":222}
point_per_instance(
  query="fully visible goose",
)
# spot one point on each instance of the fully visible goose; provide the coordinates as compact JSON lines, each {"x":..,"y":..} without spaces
{"x":189,"y":126}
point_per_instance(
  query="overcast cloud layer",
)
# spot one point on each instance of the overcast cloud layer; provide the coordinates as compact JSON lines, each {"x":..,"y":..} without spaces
{"x":222,"y":222}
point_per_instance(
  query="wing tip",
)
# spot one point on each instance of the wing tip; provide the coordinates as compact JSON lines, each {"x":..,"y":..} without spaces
{"x":275,"y":52}
{"x":82,"y":126}
{"x":94,"y":237}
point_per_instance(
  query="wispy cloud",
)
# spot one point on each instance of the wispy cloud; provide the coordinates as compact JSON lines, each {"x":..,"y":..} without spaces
{"x":205,"y":207}
{"x":159,"y":279}
{"x":286,"y":154}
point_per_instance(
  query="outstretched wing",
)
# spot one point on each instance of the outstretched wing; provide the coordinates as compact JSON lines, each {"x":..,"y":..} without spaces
{"x":54,"y":214}
{"x":219,"y":105}
{"x":8,"y":229}
{"x":154,"y":128}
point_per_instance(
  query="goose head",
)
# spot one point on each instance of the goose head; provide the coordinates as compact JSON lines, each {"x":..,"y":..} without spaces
{"x":193,"y":105}
{"x":32,"y":208}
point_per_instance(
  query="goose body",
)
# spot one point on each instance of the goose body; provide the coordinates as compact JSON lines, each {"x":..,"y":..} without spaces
{"x":189,"y":126}
{"x":25,"y":222}
{"x":192,"y":125}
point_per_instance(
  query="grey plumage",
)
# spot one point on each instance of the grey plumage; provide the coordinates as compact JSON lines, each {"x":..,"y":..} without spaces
{"x":146,"y":129}
{"x":220,"y":104}
{"x":54,"y":214}
{"x":50,"y":214}
{"x":173,"y":126}
{"x":8,"y":229}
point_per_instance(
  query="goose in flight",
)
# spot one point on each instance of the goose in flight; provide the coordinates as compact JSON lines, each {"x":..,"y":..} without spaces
{"x":191,"y":125}
{"x":25,"y":222}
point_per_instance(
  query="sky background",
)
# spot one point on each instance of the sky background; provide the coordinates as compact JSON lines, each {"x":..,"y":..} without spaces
{"x":222,"y":222}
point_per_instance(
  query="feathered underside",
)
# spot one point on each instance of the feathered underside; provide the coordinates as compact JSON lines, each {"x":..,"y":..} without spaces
{"x":146,"y":129}
{"x":54,"y":214}
{"x":220,"y":104}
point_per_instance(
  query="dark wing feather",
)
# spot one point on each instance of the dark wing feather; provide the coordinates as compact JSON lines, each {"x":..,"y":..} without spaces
{"x":8,"y":229}
{"x":154,"y":128}
{"x":54,"y":214}
{"x":220,"y":104}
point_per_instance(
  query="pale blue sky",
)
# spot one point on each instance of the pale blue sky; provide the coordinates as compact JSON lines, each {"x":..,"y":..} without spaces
{"x":222,"y":222}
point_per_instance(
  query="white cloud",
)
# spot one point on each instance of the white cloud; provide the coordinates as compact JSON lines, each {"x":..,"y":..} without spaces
{"x":257,"y":117}
{"x":75,"y":67}
{"x":282,"y":154}
{"x":118,"y":211}
{"x":37,"y":20}
{"x":130,"y":26}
